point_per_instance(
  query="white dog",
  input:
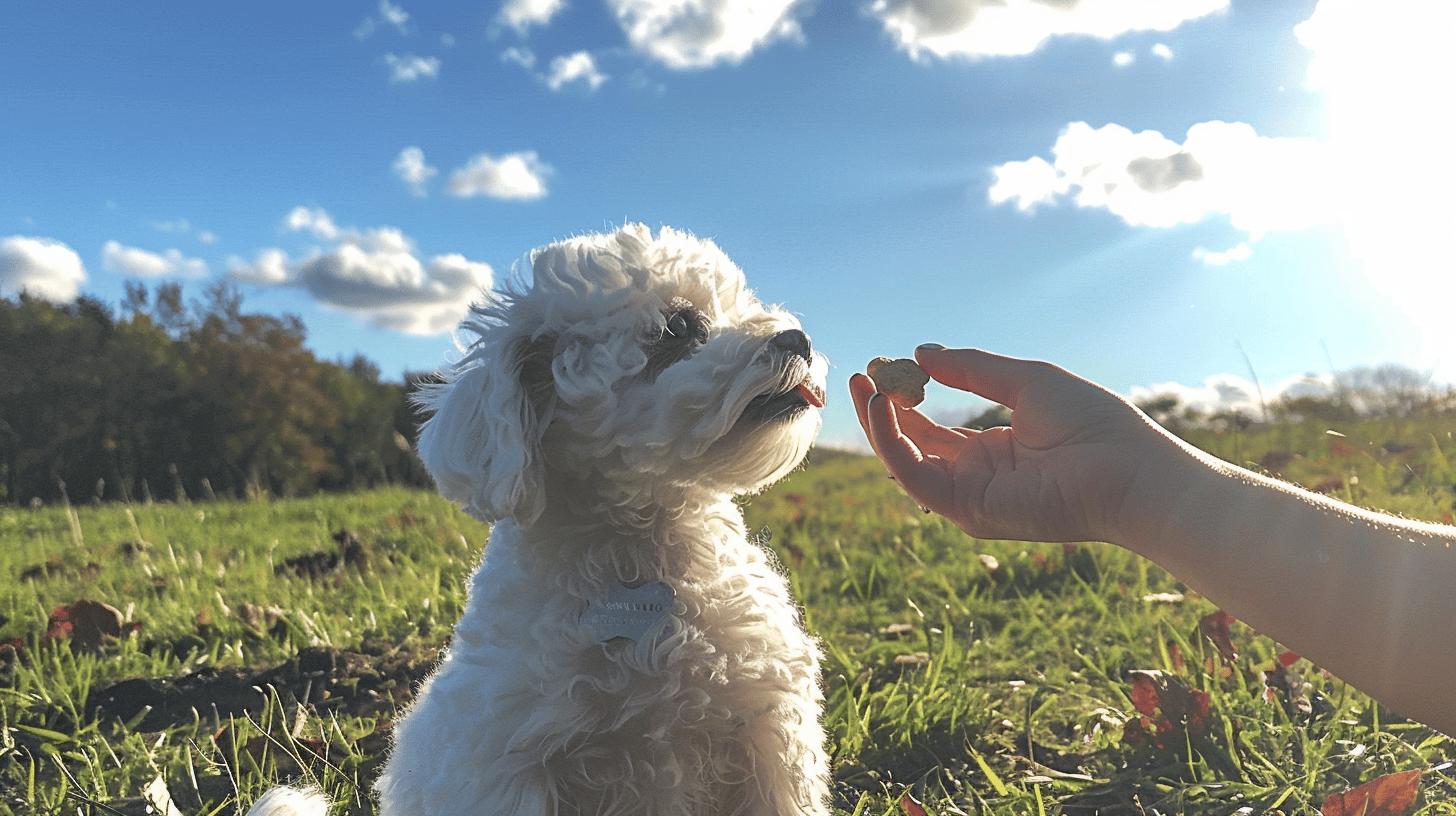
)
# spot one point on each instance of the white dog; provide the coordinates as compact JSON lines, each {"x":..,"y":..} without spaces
{"x":625,"y":649}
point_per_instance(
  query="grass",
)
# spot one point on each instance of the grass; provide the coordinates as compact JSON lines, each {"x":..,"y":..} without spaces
{"x":977,"y":689}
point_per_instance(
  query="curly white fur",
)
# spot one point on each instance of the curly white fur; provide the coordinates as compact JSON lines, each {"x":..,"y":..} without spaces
{"x":606,"y":460}
{"x":291,"y":802}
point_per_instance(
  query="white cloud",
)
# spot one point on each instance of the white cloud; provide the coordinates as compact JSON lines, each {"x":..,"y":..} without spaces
{"x":394,"y":15}
{"x":129,"y":260}
{"x":43,"y":267}
{"x":518,"y":176}
{"x":411,"y":67}
{"x":1231,"y":392}
{"x":1122,"y":59}
{"x":412,"y":169}
{"x":378,"y":275}
{"x":519,"y":55}
{"x":389,"y":14}
{"x":207,"y":236}
{"x":702,"y":33}
{"x":522,"y":14}
{"x":1005,"y":28}
{"x":577,"y":67}
{"x":1234,"y":254}
{"x":269,"y":268}
{"x":313,"y":220}
{"x":1262,"y":184}
{"x":1162,"y":51}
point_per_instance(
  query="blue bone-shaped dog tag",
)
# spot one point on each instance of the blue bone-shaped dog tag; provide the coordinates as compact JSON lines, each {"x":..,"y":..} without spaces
{"x":628,"y":612}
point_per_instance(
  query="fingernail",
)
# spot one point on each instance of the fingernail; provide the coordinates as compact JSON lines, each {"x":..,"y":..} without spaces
{"x":930,"y":347}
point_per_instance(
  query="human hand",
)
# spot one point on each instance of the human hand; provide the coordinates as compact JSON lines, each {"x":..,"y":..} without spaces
{"x":1069,"y":468}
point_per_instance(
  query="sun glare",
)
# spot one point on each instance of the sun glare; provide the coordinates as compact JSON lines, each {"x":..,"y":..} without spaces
{"x":1386,"y":71}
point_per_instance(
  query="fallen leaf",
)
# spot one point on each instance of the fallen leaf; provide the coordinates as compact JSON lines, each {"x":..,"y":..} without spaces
{"x":1215,"y":627}
{"x":1389,"y":795}
{"x":86,"y":623}
{"x":897,"y":629}
{"x":915,"y":659}
{"x":1167,"y":709}
{"x":1145,"y":694}
{"x":911,"y":806}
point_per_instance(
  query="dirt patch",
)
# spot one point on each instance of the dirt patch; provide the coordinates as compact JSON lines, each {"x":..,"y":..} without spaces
{"x":351,"y":553}
{"x":55,"y":566}
{"x":373,"y":681}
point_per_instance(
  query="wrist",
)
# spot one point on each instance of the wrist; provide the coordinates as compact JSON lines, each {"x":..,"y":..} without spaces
{"x":1173,"y":483}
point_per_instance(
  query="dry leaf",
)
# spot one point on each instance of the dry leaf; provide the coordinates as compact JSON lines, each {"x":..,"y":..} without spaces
{"x":87,"y":623}
{"x":1215,"y":627}
{"x":911,"y":807}
{"x":1167,"y":709}
{"x":1389,"y":795}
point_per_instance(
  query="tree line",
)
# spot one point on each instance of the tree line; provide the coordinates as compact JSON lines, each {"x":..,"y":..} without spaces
{"x":164,"y":397}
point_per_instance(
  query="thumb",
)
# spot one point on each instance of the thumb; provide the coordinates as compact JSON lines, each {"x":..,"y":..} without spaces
{"x":992,"y":376}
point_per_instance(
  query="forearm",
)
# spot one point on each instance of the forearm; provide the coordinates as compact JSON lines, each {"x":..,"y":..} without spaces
{"x":1368,"y":596}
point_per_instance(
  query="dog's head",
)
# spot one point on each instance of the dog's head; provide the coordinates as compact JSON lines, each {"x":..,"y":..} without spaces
{"x":641,"y":365}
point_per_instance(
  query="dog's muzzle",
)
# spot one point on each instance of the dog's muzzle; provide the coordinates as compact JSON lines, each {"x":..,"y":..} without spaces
{"x":798,"y":391}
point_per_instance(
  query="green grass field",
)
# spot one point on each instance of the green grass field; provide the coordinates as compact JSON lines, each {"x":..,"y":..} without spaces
{"x":980,"y":676}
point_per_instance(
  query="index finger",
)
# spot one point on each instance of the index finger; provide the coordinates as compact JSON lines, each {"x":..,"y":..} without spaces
{"x":992,"y":376}
{"x":923,"y":477}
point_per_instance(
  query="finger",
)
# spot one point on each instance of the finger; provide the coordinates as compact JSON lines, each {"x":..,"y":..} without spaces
{"x":925,"y":479}
{"x":930,"y":436}
{"x":990,"y":375}
{"x":861,"y":388}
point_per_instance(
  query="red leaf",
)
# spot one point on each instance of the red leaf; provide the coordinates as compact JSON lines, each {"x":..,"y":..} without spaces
{"x":1389,"y":795}
{"x":1145,"y":694}
{"x":1215,"y":627}
{"x":88,"y":624}
{"x":1287,"y":659}
{"x":910,"y":806}
{"x":1167,"y":708}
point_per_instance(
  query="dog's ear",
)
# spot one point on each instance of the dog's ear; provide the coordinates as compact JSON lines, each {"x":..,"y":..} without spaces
{"x":482,"y":445}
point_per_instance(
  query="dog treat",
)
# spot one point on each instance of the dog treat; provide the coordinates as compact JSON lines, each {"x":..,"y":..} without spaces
{"x":902,"y":380}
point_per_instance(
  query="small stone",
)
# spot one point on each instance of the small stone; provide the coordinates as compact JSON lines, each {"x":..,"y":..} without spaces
{"x":902,"y":380}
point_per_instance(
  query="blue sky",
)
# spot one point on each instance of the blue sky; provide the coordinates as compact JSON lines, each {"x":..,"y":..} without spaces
{"x":895,"y":171}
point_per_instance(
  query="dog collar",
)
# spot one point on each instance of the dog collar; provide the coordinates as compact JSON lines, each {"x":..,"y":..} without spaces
{"x":628,"y":612}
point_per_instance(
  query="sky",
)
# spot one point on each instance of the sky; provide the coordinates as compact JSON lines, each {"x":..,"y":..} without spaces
{"x":1161,"y":195}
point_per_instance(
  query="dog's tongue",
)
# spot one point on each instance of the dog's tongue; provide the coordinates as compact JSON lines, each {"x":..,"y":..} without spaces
{"x":810,"y":395}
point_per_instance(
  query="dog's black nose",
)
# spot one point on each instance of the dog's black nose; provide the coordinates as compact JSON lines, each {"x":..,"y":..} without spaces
{"x":792,"y":341}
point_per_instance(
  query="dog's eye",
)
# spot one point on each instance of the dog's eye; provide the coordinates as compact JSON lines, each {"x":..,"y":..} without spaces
{"x":678,"y":324}
{"x":684,"y":324}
